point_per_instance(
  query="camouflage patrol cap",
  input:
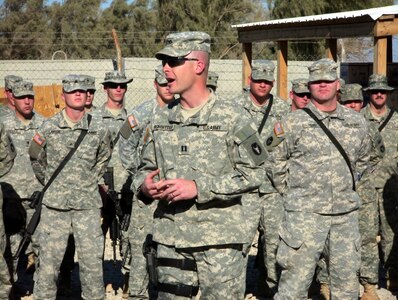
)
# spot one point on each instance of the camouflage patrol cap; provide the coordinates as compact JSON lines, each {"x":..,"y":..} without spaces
{"x":352,"y":91}
{"x":90,"y":81}
{"x":212,"y":78}
{"x":378,"y":82}
{"x":23,"y":88}
{"x":323,"y":69}
{"x":180,"y":44}
{"x":263,"y":70}
{"x":73,"y":82}
{"x":116,"y":77}
{"x":342,"y":83}
{"x":159,"y":75}
{"x":300,"y":85}
{"x":10,"y":80}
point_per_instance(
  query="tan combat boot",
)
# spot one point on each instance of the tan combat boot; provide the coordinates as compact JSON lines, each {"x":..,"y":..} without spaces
{"x":370,"y":292}
{"x":324,"y":291}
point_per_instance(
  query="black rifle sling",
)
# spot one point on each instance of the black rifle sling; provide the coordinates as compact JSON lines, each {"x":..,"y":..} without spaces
{"x":334,"y":141}
{"x":266,"y":114}
{"x":381,"y":127}
{"x":30,"y":229}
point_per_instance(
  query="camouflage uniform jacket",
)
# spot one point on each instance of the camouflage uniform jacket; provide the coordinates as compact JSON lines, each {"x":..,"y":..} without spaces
{"x":76,"y":187}
{"x":21,"y":180}
{"x":388,"y":164}
{"x":220,"y":150}
{"x":130,"y":149}
{"x":310,"y":171}
{"x":114,"y":124}
{"x":279,"y":109}
{"x":5,"y":110}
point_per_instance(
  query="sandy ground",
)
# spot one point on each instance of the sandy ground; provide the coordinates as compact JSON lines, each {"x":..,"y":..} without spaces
{"x":114,"y":278}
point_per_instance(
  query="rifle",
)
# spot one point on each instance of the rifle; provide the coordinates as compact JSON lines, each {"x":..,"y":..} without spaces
{"x":114,"y":210}
{"x":150,"y":253}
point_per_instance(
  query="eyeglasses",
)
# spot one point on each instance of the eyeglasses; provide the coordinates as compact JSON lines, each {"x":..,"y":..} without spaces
{"x":114,"y":85}
{"x":177,"y":61}
{"x":302,"y":95}
{"x":375,"y":92}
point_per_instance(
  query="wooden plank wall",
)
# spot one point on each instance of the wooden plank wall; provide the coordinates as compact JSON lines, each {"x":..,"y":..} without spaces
{"x":48,"y":99}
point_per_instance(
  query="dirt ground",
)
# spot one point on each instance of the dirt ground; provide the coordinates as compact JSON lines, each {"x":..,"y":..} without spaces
{"x":114,"y":277}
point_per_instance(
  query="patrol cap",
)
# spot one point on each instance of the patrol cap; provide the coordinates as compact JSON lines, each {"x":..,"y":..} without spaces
{"x":90,"y":81}
{"x":263,"y":70}
{"x":323,"y":69}
{"x":23,"y":88}
{"x":116,"y":77}
{"x":159,"y":75}
{"x":300,"y":85}
{"x":378,"y":82}
{"x":342,"y":83}
{"x":10,"y":80}
{"x":180,"y":44}
{"x":212,"y":78}
{"x":73,"y":82}
{"x":352,"y":91}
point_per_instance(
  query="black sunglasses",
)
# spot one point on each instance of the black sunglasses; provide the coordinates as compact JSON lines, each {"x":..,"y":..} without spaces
{"x":92,"y":92}
{"x":114,"y":85}
{"x":378,"y":91}
{"x":177,"y":61}
{"x":302,"y":95}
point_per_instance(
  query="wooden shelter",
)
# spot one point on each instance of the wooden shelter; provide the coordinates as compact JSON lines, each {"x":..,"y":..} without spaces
{"x":380,"y":23}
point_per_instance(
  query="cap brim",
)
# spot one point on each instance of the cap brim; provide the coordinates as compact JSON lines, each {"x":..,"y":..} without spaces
{"x":381,"y":87}
{"x":75,"y":88}
{"x":263,"y":77}
{"x":299,"y":90}
{"x":128,"y":80}
{"x":24,"y":94}
{"x":171,"y":52}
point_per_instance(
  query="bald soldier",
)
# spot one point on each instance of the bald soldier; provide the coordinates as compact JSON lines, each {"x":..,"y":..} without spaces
{"x":317,"y":182}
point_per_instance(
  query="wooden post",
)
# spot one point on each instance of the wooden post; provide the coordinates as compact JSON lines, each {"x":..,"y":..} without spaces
{"x":380,"y":55}
{"x":282,"y":70}
{"x":331,"y":49}
{"x":246,"y":63}
{"x":389,"y":49}
{"x":118,"y":51}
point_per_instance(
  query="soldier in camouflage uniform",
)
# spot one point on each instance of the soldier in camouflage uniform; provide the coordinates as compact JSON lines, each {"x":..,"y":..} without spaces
{"x":90,"y":84}
{"x":7,"y":154}
{"x":21,"y":126}
{"x":384,"y":178}
{"x":321,"y":206}
{"x":352,"y":97}
{"x":299,"y":94}
{"x":9,"y":81}
{"x":72,"y":203}
{"x":263,"y":207}
{"x":212,"y":78}
{"x":200,"y":155}
{"x":141,"y":219}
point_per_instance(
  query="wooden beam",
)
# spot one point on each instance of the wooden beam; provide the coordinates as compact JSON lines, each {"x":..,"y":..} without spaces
{"x":331,"y":49}
{"x":305,"y":32}
{"x":385,"y":27}
{"x":246,"y":63}
{"x":282,"y":70}
{"x":380,"y":55}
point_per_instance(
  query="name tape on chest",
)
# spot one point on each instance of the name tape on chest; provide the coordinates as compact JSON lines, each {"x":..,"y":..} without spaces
{"x":163,"y":127}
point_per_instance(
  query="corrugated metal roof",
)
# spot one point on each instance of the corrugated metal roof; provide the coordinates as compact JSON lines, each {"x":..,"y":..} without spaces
{"x":373,"y":13}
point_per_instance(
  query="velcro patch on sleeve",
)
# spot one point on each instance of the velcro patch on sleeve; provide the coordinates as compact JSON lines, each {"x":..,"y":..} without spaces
{"x":132,"y":121}
{"x":278,"y":129}
{"x":39,"y":140}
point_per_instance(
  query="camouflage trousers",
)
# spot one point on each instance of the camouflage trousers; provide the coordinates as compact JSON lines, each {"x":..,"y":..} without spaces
{"x":218,"y":273}
{"x":304,"y":236}
{"x":368,"y":229}
{"x":270,"y":222}
{"x":53,"y":233}
{"x":387,"y":199}
{"x":140,"y":226}
{"x":5,"y":278}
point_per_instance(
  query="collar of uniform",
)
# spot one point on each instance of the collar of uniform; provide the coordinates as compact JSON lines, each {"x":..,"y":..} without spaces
{"x":249,"y":105}
{"x":200,"y":118}
{"x":369,"y":116}
{"x":107,"y":114}
{"x":82,"y":124}
{"x":338,"y":113}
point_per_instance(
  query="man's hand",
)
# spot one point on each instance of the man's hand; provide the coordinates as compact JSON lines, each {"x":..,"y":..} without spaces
{"x":179,"y":189}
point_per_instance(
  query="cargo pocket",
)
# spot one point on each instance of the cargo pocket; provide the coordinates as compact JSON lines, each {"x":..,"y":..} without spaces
{"x":288,"y":249}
